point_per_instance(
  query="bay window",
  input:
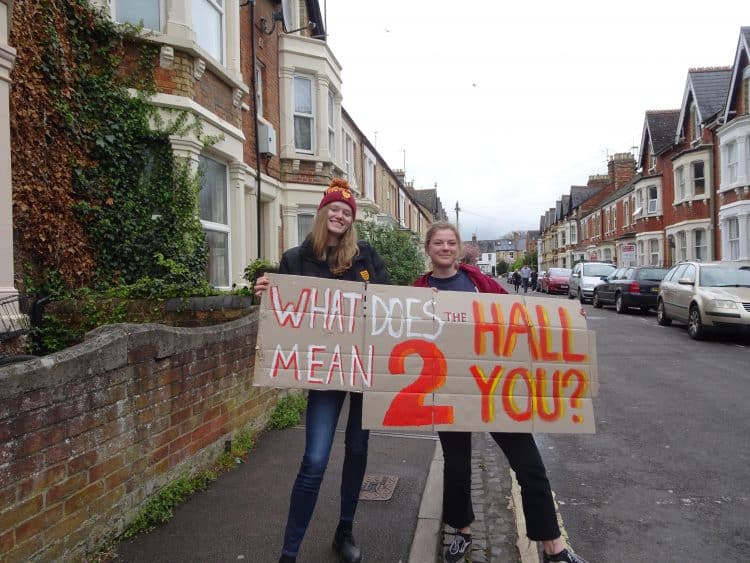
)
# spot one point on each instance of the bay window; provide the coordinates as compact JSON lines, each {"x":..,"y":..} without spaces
{"x":732,"y":162}
{"x":137,"y":12}
{"x":208,"y":24}
{"x":214,"y":216}
{"x":681,"y":246}
{"x":304,"y":120}
{"x":305,"y":220}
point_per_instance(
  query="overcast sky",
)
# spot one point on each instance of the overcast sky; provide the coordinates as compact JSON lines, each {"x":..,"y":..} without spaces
{"x":506,"y":105}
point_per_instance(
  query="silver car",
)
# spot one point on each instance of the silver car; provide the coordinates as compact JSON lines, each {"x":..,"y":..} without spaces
{"x":585,"y":277}
{"x":705,"y":295}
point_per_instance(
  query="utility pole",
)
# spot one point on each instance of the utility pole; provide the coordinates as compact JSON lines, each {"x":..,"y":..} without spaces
{"x":457,"y":210}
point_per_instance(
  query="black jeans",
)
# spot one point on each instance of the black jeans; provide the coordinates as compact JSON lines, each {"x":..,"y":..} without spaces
{"x":523,"y":457}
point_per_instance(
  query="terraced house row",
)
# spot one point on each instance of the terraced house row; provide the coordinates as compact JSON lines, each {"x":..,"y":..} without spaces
{"x":684,"y":196}
{"x":270,"y":92}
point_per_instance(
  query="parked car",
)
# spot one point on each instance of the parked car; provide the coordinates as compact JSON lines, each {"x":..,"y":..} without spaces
{"x":585,"y":277}
{"x":706,"y":295}
{"x":630,"y":287}
{"x":554,"y":280}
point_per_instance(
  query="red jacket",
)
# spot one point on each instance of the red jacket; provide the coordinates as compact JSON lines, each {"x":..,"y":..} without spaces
{"x":483,"y":282}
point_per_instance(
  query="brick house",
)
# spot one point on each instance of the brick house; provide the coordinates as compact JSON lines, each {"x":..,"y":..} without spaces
{"x":733,"y":134}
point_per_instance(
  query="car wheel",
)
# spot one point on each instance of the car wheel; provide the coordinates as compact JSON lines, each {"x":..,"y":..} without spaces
{"x":581,"y":298}
{"x":619,"y":305}
{"x":661,"y":315}
{"x":644,"y":309}
{"x":695,"y":325}
{"x":570,"y":294}
{"x":595,"y":301}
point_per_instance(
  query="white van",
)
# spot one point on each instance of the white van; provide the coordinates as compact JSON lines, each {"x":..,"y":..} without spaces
{"x":585,"y":277}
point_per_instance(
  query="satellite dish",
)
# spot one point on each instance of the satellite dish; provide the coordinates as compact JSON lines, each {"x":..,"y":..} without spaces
{"x":286,"y":14}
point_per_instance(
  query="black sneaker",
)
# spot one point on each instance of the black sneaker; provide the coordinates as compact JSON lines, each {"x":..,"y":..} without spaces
{"x":459,"y":548}
{"x":345,"y":547}
{"x":565,"y":556}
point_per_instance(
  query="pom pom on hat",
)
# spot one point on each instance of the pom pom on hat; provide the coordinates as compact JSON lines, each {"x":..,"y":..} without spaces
{"x":339,"y":190}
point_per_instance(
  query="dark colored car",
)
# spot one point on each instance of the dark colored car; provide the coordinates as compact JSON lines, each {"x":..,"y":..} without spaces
{"x":555,"y":280}
{"x":632,"y":287}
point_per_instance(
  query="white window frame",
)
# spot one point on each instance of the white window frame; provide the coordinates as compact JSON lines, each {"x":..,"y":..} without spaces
{"x":402,"y":208}
{"x":681,"y":184}
{"x":652,"y":160}
{"x":218,"y":227}
{"x":732,"y":162}
{"x":309,"y":215}
{"x":681,"y":243}
{"x":652,"y":209}
{"x":369,"y":191}
{"x":219,"y":7}
{"x":700,"y":247}
{"x":113,"y":4}
{"x":349,"y":158}
{"x":695,"y":178}
{"x":573,"y":234}
{"x":332,"y":124}
{"x":641,"y":253}
{"x":259,"y":87}
{"x":614,"y":218}
{"x":303,"y":115}
{"x":654,"y":254}
{"x":733,"y":238}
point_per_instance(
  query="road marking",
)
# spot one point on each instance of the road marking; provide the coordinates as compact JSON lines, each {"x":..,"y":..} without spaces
{"x":527,"y":548}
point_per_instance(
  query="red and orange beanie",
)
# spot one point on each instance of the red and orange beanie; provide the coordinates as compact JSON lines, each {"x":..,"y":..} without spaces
{"x":339,"y":190}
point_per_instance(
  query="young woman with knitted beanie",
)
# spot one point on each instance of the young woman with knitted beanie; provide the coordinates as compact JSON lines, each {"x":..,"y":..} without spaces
{"x":331,"y":251}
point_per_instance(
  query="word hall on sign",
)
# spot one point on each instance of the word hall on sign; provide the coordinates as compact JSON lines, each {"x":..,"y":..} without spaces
{"x":432,"y":360}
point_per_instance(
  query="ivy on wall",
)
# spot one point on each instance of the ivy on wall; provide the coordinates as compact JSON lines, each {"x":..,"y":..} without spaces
{"x":98,"y":196}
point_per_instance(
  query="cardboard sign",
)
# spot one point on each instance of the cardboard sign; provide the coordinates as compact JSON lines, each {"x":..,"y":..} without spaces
{"x":432,"y":360}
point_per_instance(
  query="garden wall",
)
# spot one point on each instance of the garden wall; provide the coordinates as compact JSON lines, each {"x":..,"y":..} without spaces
{"x":88,"y":433}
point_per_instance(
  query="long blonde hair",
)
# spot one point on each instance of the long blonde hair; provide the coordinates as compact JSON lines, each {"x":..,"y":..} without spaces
{"x":342,"y":255}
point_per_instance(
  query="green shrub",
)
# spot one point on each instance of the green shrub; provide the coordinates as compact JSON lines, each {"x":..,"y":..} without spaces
{"x":287,"y":411}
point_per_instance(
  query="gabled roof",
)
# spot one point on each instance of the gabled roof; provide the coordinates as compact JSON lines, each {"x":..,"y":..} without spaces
{"x":743,"y":47}
{"x":486,"y":246}
{"x":504,"y":245}
{"x":659,"y":132}
{"x":619,"y":193}
{"x":709,"y":88}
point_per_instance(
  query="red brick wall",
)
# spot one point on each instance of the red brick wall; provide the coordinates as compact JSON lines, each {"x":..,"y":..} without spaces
{"x":88,"y":435}
{"x":267,"y":52}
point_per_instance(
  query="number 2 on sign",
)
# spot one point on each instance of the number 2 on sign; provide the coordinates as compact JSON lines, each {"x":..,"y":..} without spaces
{"x":408,"y":408}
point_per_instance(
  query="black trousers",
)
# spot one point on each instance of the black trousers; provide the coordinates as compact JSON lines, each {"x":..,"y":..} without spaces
{"x":523,"y":457}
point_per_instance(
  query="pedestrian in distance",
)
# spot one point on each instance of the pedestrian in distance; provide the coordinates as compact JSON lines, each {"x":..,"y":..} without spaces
{"x":525,"y":277}
{"x":443,"y":245}
{"x":330,"y":251}
{"x":516,"y":279}
{"x":534,"y":277}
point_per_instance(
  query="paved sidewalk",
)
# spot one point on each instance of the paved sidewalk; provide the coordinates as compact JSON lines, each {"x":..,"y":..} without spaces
{"x":242,"y":514}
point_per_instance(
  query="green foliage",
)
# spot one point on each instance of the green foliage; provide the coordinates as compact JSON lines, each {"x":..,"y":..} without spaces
{"x":530,"y":258}
{"x":401,"y":251}
{"x":502,"y":267}
{"x":287,"y":411}
{"x":160,"y":507}
{"x":137,"y":203}
{"x":256,"y":268}
{"x":243,"y":442}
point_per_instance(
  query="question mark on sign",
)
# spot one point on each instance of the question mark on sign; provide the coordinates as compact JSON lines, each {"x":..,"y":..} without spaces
{"x":578,"y":392}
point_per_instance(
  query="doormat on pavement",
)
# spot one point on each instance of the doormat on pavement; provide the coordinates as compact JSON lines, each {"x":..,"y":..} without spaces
{"x":378,"y":487}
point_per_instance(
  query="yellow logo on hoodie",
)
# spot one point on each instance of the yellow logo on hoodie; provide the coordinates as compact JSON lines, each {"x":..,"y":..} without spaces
{"x":365,"y":275}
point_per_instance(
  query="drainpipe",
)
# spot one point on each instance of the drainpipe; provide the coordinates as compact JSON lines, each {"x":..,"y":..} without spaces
{"x":255,"y":124}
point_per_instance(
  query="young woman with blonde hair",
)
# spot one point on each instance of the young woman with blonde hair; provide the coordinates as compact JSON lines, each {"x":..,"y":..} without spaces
{"x":443,"y":247}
